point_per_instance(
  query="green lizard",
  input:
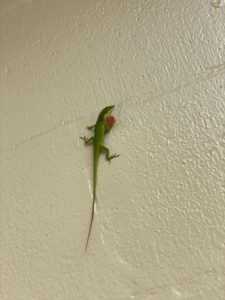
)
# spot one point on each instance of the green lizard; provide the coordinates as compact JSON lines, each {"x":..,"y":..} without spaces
{"x":102,"y":126}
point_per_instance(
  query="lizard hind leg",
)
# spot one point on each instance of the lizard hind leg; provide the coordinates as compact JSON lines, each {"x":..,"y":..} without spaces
{"x":107,"y":156}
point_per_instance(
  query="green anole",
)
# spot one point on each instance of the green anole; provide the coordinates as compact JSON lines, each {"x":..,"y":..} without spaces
{"x":102,"y":126}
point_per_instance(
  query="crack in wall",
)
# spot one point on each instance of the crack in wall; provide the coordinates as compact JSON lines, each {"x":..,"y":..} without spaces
{"x":199,"y":77}
{"x":12,"y":151}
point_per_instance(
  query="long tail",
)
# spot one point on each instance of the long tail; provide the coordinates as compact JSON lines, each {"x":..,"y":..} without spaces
{"x":93,"y":204}
{"x":92,"y":218}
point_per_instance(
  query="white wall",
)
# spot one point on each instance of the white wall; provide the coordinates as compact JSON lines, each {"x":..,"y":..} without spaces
{"x":159,"y":231}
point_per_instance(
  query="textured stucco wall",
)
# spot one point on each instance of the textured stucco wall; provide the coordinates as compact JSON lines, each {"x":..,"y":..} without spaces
{"x":159,"y":231}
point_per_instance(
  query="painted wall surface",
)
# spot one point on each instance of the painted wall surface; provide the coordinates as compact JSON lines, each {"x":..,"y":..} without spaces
{"x":159,"y":231}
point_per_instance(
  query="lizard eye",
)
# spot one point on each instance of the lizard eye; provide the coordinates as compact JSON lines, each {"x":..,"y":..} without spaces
{"x":110,"y":121}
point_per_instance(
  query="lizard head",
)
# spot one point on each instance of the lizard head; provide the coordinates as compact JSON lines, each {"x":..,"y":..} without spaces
{"x":105,"y":113}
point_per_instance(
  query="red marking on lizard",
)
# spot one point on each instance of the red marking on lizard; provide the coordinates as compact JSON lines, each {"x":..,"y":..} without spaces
{"x":110,"y":121}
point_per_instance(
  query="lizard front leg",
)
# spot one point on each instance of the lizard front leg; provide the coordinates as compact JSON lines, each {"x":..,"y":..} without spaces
{"x":91,"y":127}
{"x":87,"y":141}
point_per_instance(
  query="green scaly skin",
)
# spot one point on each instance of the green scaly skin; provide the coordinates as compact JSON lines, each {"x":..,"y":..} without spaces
{"x":100,"y":129}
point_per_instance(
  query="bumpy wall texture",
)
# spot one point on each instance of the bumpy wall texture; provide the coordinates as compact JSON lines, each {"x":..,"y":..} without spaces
{"x":159,"y":231}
